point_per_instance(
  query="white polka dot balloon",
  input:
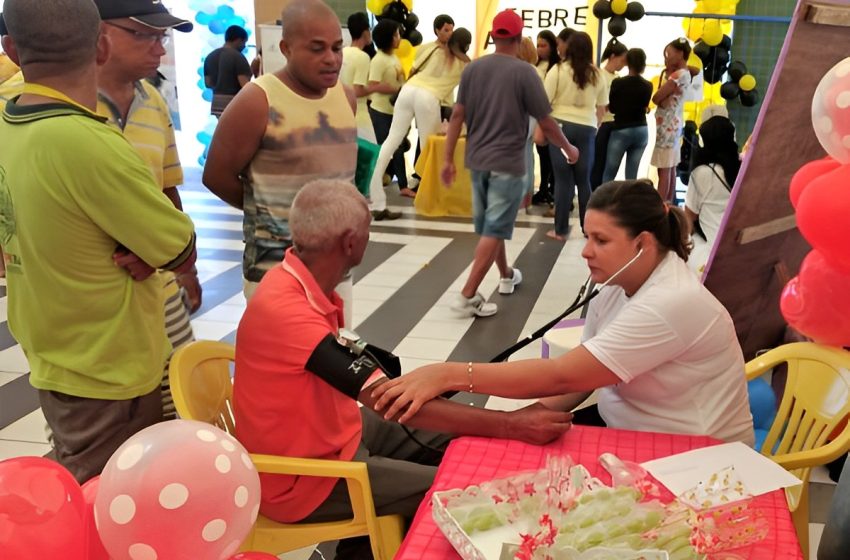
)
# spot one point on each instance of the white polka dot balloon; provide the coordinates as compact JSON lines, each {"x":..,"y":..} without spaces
{"x":177,"y":490}
{"x":831,"y":111}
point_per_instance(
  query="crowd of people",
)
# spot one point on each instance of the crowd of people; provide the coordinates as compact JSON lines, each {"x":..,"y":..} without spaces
{"x":103,"y":248}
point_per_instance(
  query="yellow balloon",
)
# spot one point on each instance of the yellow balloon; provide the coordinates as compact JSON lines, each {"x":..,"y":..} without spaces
{"x":407,"y":63}
{"x":713,"y":33}
{"x":619,"y":6}
{"x":694,"y":61}
{"x":712,"y":6}
{"x":376,"y":6}
{"x":747,"y":82}
{"x":404,"y":49}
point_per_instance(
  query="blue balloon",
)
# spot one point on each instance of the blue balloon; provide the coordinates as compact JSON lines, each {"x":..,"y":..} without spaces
{"x":218,"y":27}
{"x":207,"y":94}
{"x":203,"y":18}
{"x":762,"y":403}
{"x":225,"y":12}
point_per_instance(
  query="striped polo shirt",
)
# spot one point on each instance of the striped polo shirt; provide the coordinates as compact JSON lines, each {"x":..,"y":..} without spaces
{"x":149,"y":129}
{"x":10,"y":88}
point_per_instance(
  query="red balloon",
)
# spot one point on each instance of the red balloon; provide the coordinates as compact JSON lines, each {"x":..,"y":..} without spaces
{"x":823,"y":210}
{"x":41,"y":511}
{"x":807,"y":174}
{"x":253,"y":556}
{"x":817,"y":302}
{"x":94,"y":546}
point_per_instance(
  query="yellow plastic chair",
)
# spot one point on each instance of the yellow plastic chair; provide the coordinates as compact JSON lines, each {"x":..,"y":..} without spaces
{"x":202,"y":390}
{"x":815,"y":401}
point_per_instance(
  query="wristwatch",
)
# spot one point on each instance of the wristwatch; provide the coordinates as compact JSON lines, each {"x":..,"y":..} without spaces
{"x":351,"y":340}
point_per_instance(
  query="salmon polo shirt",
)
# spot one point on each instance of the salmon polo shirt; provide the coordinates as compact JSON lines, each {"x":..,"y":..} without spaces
{"x":281,"y":408}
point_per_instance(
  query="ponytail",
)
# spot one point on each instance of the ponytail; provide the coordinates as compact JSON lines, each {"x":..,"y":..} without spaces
{"x":676,"y":236}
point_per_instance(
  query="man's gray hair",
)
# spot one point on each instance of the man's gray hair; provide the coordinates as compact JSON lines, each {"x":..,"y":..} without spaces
{"x":323,"y":211}
{"x":53,"y":32}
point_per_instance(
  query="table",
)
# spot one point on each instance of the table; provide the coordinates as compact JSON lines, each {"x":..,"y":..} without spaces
{"x":473,"y":460}
{"x":432,"y":197}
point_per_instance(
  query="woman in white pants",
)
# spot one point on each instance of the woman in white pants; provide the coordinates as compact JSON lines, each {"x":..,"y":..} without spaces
{"x":432,"y":81}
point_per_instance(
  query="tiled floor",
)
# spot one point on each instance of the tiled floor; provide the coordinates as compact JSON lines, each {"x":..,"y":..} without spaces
{"x":412,"y":270}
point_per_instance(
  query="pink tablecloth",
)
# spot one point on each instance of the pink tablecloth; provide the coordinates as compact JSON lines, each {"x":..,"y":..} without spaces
{"x":474,"y":460}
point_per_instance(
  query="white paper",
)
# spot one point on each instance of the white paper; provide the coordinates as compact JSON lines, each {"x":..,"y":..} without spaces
{"x":682,"y":472}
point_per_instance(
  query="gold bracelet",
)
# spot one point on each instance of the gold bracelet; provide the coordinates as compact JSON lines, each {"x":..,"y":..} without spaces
{"x":469,"y":373}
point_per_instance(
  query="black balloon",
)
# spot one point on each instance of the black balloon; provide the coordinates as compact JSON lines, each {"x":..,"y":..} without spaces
{"x":726,"y":42}
{"x":730,"y":90}
{"x":411,"y":22}
{"x":720,"y":56}
{"x":703,"y":51}
{"x":713,"y":73}
{"x":617,"y":26}
{"x":749,"y":98}
{"x":634,"y":11}
{"x":415,"y":37}
{"x":737,"y":70}
{"x":602,"y":9}
{"x":396,"y":11}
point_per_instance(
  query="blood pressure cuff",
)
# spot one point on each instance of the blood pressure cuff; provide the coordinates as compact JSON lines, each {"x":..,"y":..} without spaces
{"x":342,"y":369}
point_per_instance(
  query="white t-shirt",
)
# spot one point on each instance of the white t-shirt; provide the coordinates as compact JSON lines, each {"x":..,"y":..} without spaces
{"x":674,"y":347}
{"x":708,"y":196}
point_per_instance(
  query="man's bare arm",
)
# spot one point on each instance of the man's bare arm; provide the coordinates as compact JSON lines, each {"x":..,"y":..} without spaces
{"x":237,"y":139}
{"x":534,"y":424}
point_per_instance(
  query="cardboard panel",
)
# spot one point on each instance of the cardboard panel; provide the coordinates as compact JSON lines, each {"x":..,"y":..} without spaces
{"x":760,"y":248}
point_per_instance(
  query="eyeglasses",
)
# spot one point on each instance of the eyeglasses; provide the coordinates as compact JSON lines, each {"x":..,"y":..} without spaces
{"x":149,"y":38}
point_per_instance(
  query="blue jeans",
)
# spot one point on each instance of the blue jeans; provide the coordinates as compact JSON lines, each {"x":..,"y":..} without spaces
{"x":568,"y":176}
{"x":836,"y":533}
{"x":495,"y":201}
{"x":629,"y":141}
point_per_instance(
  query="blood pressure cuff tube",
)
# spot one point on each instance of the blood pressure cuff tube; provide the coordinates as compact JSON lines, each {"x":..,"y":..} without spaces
{"x":340,"y":368}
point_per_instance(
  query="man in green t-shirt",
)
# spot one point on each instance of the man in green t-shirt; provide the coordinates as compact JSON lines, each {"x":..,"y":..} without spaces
{"x":84,"y":225}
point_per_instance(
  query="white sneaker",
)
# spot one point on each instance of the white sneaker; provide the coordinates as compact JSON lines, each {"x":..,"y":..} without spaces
{"x":475,"y":306}
{"x":507,"y":285}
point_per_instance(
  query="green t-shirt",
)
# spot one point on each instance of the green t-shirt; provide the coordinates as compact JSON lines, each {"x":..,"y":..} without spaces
{"x":72,"y":190}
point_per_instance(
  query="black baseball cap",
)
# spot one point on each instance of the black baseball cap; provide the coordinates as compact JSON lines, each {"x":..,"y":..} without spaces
{"x":147,"y":12}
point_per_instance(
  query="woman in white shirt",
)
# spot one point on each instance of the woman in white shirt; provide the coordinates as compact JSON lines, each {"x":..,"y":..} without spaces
{"x":710,"y":186}
{"x":660,"y":348}
{"x":433,"y":80}
{"x":579,"y":95}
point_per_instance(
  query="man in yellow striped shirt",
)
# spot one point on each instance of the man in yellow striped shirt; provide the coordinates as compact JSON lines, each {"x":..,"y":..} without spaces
{"x":138,"y":32}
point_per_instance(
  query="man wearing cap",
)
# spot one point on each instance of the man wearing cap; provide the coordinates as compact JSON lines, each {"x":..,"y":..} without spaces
{"x":72,"y":193}
{"x":282,"y":131}
{"x":138,"y":31}
{"x":496,"y":96}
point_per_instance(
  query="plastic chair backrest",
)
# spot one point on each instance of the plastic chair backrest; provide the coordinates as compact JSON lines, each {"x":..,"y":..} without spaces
{"x":201,"y":384}
{"x":815,"y":401}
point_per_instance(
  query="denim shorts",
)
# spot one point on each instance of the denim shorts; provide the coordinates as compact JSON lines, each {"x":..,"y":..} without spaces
{"x":496,"y":198}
